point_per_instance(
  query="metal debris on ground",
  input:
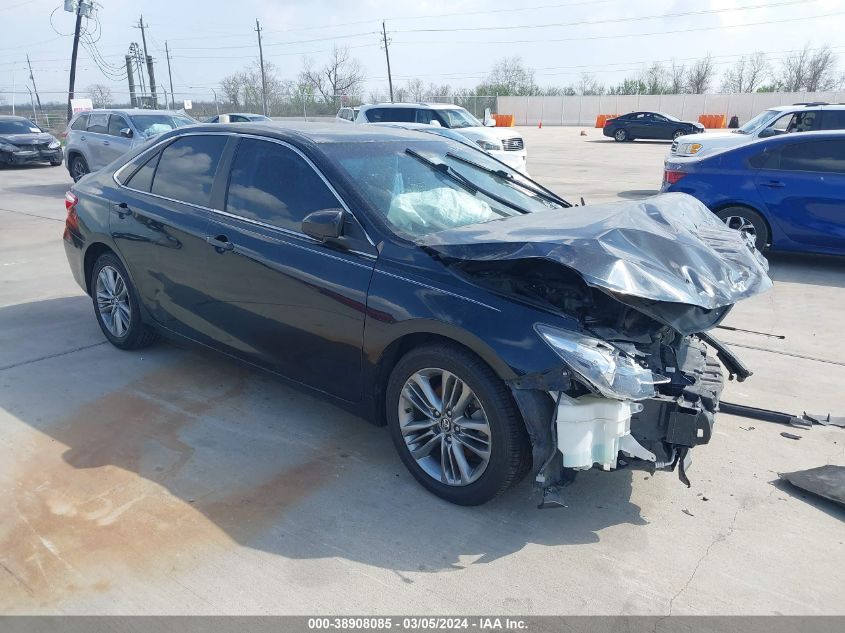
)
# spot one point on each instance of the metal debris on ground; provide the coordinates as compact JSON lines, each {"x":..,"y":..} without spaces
{"x":825,"y":481}
{"x":790,"y":436}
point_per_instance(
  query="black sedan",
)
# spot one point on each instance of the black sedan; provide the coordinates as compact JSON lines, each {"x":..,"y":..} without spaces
{"x":491,"y":326}
{"x":649,"y":125}
{"x":23,"y":142}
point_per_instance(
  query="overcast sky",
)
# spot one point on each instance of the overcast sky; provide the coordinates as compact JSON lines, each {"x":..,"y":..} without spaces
{"x":210,"y":39}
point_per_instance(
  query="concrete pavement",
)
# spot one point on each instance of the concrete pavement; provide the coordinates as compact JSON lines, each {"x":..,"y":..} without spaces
{"x":175,"y":481}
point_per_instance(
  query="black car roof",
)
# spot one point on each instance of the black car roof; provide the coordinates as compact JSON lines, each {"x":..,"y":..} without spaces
{"x":9,"y":117}
{"x":313,"y":132}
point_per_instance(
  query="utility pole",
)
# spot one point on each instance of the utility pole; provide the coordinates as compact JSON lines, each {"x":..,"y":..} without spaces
{"x":70,"y":93}
{"x":149,"y":62}
{"x":169,"y":76}
{"x":34,"y":87}
{"x":387,"y":56}
{"x":131,"y":77}
{"x":261,"y":58}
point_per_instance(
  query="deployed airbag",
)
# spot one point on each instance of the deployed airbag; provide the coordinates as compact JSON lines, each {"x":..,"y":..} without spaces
{"x":669,"y":248}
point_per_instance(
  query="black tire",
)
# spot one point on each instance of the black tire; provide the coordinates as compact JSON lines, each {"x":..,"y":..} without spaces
{"x":736,"y":217}
{"x":678,"y":133}
{"x":78,"y":168}
{"x":510,"y":449}
{"x":137,"y":334}
{"x":620,"y":136}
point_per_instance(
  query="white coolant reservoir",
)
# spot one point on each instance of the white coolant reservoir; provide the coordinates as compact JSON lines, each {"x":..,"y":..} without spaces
{"x":589,"y":430}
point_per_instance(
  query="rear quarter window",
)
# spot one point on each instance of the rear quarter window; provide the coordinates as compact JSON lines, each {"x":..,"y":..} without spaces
{"x":833,"y":120}
{"x":81,"y":123}
{"x":392,"y":115}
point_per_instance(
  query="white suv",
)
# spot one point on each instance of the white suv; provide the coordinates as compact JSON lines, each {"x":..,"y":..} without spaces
{"x":801,"y":117}
{"x":503,"y":143}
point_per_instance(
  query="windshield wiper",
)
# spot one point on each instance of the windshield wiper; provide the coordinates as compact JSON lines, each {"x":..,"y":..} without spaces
{"x":462,"y":180}
{"x":539,"y":190}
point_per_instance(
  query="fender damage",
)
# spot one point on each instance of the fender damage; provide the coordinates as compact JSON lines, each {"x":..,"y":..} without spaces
{"x":638,"y":384}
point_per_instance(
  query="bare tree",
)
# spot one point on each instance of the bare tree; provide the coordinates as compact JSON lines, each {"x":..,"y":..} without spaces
{"x":416,"y":89}
{"x":231,"y":86}
{"x":700,"y":75}
{"x":677,"y":78}
{"x":509,"y":76}
{"x":341,"y":75}
{"x":793,"y":71}
{"x":821,"y":71}
{"x":655,"y":79}
{"x":101,"y":95}
{"x":747,"y":74}
{"x":589,"y":85}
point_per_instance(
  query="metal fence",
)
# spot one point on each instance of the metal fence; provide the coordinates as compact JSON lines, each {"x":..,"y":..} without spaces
{"x":583,"y":110}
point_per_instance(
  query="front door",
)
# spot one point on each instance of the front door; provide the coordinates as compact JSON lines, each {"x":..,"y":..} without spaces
{"x":806,"y":194}
{"x":286,"y":301}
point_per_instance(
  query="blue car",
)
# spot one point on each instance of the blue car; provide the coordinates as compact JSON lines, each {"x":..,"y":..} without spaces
{"x":787,"y":192}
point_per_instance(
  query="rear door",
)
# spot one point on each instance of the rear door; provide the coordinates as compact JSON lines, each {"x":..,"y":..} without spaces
{"x":159,"y":224}
{"x":805,"y":192}
{"x":638,"y":125}
{"x":96,"y":140}
{"x":286,"y":301}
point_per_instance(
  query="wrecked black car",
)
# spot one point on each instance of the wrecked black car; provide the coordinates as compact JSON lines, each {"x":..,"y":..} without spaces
{"x":494,"y":328}
{"x":22,"y":142}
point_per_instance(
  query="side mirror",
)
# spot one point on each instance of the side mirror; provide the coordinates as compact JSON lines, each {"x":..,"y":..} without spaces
{"x":325,"y":224}
{"x":769,"y":131}
{"x":126,"y":132}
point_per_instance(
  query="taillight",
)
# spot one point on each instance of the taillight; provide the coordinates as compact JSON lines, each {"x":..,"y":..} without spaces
{"x":671,"y":176}
{"x":72,"y":220}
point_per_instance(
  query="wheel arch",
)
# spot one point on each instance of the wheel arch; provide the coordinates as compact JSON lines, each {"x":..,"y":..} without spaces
{"x":728,"y":204}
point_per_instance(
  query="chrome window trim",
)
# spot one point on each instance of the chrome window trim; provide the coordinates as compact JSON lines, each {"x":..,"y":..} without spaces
{"x":447,"y":292}
{"x":299,"y":234}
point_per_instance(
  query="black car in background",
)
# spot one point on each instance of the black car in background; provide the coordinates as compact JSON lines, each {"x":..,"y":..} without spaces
{"x":649,"y":125}
{"x":23,"y":142}
{"x":425,"y":285}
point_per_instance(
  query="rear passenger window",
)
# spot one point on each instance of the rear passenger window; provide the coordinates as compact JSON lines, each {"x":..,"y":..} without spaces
{"x":273,"y":184}
{"x":81,"y":123}
{"x":819,"y":156}
{"x":833,"y":120}
{"x":393,"y":115}
{"x":186,"y":169}
{"x":98,"y":122}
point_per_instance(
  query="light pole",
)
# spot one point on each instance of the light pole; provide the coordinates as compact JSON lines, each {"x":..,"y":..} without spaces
{"x":216,"y":104}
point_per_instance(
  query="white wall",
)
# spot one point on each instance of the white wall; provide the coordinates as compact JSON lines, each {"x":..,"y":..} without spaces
{"x":578,"y":110}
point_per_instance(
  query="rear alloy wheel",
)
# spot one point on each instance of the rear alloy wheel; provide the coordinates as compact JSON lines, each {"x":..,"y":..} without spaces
{"x":677,"y":134}
{"x":748,"y":222}
{"x":116,"y":305}
{"x":620,"y":135}
{"x":78,"y":168}
{"x":455,"y":425}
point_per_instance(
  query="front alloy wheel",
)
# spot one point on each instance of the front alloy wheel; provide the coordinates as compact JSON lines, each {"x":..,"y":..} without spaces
{"x":455,"y":424}
{"x":444,"y":427}
{"x":620,"y":135}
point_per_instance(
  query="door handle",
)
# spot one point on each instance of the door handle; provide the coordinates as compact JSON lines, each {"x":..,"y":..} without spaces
{"x":106,"y":143}
{"x":123,"y":210}
{"x":220,"y":243}
{"x":773,"y":184}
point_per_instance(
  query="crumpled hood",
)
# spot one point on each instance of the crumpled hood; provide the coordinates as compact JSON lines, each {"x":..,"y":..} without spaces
{"x":36,"y":138}
{"x":667,"y":248}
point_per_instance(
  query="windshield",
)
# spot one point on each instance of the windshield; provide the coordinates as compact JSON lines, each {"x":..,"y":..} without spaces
{"x":18,"y":126}
{"x":422,"y":187}
{"x":758,"y":121}
{"x":152,"y":124}
{"x":458,"y":117}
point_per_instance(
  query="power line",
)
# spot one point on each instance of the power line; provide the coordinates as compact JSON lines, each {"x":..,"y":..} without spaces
{"x":607,"y":20}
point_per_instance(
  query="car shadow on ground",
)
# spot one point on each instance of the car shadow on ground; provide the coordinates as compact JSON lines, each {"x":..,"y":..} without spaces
{"x":175,"y":449}
{"x":639,"y":141}
{"x":53,"y":190}
{"x":638,"y":194}
{"x":818,"y":270}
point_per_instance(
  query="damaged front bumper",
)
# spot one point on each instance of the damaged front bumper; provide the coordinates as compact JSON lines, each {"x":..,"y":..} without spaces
{"x":570,"y":434}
